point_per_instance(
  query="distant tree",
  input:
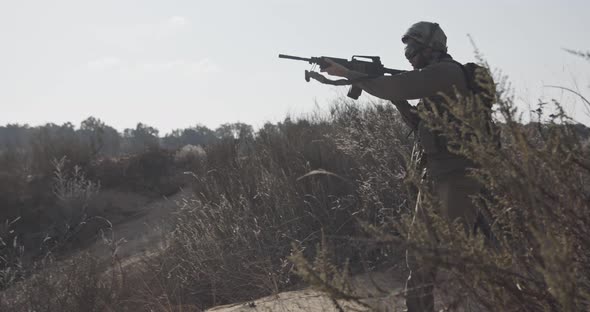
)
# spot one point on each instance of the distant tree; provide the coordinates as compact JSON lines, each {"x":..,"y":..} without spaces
{"x":14,"y":136}
{"x":50,"y":142}
{"x":103,"y":139}
{"x":142,"y":138}
{"x":14,"y":149}
{"x":235,"y":130}
{"x":197,"y":135}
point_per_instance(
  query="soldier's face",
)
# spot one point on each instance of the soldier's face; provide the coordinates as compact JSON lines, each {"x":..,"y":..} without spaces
{"x":412,"y":49}
{"x":415,"y":61}
{"x":416,"y":54}
{"x":421,"y":59}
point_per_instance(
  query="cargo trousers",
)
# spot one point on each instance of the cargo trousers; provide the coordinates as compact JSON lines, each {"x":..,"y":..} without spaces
{"x":453,"y":192}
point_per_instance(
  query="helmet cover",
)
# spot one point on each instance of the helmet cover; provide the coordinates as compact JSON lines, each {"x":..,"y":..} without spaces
{"x":428,"y":34}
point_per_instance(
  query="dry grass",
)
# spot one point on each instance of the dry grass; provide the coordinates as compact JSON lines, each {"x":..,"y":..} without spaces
{"x":256,"y":197}
{"x":537,"y":202}
{"x":263,"y":204}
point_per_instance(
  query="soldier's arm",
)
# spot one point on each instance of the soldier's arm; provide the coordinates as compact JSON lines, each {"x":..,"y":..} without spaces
{"x":416,"y":84}
{"x":408,"y":113}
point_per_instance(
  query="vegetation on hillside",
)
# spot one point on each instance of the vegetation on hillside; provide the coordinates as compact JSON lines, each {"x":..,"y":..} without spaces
{"x":306,"y":200}
{"x":530,"y":252}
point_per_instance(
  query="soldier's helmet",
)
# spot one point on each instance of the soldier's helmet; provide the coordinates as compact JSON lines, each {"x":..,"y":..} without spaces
{"x":428,"y":34}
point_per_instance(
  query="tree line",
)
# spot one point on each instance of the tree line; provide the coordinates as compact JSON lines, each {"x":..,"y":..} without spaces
{"x":101,"y":139}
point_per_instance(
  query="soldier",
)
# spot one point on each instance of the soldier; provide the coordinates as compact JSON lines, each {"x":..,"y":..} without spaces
{"x":435,"y":73}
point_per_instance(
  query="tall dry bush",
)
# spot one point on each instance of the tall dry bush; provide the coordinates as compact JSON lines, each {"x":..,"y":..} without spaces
{"x":256,"y":196}
{"x":534,"y":255}
{"x":61,"y":225}
{"x":379,"y":142}
{"x":152,"y":172}
{"x":538,"y":205}
{"x":76,"y":284}
{"x":73,"y":192}
{"x":48,"y":275}
{"x":11,"y":254}
{"x":13,"y":182}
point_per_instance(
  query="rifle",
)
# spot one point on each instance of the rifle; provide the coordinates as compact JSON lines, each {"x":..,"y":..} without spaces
{"x":373,"y":68}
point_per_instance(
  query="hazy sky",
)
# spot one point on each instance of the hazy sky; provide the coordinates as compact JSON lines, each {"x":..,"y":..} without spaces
{"x":173,"y":64}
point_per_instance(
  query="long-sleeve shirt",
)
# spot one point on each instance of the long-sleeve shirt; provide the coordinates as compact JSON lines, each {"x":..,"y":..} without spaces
{"x":444,"y":77}
{"x":439,"y":77}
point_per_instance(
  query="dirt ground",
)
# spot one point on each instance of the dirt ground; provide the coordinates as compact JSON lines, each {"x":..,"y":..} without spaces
{"x":142,"y":230}
{"x":384,"y":290}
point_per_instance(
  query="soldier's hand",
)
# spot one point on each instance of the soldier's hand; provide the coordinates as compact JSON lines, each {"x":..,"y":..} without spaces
{"x":334,"y":69}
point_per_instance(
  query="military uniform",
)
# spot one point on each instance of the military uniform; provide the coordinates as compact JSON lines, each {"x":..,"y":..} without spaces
{"x":446,"y":172}
{"x":437,"y":74}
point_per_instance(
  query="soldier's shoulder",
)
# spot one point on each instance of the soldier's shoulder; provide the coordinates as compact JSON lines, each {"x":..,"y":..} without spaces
{"x":446,"y":66}
{"x":448,"y":63}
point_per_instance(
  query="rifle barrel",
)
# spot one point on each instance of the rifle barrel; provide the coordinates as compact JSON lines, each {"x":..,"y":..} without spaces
{"x":297,"y":58}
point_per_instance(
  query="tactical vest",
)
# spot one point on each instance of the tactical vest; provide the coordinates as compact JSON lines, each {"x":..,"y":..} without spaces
{"x":475,"y":76}
{"x":438,"y":159}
